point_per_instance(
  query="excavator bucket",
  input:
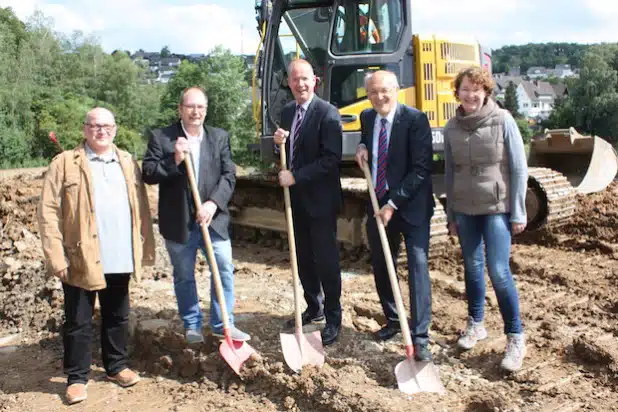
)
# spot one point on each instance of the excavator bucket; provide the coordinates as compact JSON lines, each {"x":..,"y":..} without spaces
{"x":588,"y":162}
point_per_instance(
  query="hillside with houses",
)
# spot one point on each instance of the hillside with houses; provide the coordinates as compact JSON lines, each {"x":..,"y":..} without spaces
{"x":163,"y":66}
{"x":536,"y":90}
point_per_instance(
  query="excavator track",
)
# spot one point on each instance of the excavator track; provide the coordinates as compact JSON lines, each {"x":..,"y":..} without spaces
{"x":550,"y":199}
{"x":258,"y":215}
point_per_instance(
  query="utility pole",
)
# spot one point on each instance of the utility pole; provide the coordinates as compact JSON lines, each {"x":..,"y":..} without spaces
{"x":242,"y":48}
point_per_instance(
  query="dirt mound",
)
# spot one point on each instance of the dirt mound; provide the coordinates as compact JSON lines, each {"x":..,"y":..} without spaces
{"x":592,"y":227}
{"x":28,"y":298}
{"x":599,"y":354}
{"x":159,"y":347}
{"x":596,"y":216}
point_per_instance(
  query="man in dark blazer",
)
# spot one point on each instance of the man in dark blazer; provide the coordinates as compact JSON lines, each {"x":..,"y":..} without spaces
{"x":314,"y":155}
{"x":396,"y":143}
{"x":179,"y":222}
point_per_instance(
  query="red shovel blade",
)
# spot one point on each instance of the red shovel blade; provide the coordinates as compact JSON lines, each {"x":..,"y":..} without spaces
{"x":235,"y":352}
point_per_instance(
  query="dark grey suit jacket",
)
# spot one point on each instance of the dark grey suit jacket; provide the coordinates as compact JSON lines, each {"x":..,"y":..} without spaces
{"x":409,"y":162}
{"x":216,"y":180}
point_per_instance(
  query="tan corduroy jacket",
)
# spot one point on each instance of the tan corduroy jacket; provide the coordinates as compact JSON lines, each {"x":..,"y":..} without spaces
{"x":67,"y":222}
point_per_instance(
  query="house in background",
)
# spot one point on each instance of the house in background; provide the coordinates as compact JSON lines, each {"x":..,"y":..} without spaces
{"x":535,"y":98}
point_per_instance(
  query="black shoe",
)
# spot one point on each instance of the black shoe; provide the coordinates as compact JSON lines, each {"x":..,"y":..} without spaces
{"x":330,"y":334}
{"x":422,"y":353}
{"x":307,"y":318}
{"x":388,"y":331}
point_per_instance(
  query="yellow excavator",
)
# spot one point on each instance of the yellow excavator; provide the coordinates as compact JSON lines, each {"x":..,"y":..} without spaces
{"x":346,"y":39}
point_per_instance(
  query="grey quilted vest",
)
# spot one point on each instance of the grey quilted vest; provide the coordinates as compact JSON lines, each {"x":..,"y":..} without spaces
{"x":479,"y":161}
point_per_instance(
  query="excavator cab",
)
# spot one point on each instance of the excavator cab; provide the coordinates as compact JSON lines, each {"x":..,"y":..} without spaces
{"x":343,"y":40}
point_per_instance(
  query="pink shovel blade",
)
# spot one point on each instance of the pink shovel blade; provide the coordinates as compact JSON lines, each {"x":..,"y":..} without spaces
{"x":235,"y":353}
{"x":413,"y":377}
{"x":302,"y":349}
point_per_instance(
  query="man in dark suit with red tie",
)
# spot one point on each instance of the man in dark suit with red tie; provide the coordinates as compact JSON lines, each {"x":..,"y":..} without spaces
{"x":396,"y":144}
{"x":313,"y":148}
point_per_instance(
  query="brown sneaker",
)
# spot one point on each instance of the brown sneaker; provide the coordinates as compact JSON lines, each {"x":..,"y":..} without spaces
{"x":76,"y":392}
{"x":125,"y":378}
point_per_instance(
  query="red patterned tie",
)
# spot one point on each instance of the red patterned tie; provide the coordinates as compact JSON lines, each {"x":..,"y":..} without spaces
{"x":294,"y":147}
{"x":382,"y":155}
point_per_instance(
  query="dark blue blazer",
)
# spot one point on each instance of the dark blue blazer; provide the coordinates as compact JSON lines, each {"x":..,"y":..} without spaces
{"x":317,"y":192}
{"x":409,"y":162}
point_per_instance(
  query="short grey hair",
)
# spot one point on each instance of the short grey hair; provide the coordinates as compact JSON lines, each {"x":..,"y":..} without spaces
{"x":390,"y":78}
{"x":184,"y":91}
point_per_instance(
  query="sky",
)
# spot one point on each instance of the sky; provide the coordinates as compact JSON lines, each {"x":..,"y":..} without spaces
{"x":188,"y":26}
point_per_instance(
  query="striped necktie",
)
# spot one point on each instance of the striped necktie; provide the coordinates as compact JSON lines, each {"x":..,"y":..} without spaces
{"x":382,"y":157}
{"x":294,"y":149}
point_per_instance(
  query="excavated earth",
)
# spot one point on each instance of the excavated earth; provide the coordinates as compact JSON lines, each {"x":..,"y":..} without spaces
{"x":566,"y":277}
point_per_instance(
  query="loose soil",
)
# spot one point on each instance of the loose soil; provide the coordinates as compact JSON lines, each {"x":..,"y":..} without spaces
{"x":566,"y":278}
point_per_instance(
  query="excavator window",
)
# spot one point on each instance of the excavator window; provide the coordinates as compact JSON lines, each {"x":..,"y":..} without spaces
{"x":348,"y":83}
{"x":367,"y":26}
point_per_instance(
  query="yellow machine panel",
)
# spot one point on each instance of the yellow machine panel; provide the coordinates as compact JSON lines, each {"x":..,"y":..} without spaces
{"x":437,"y":63}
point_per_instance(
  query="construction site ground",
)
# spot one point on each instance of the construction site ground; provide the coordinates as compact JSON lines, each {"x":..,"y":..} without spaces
{"x":566,"y":276}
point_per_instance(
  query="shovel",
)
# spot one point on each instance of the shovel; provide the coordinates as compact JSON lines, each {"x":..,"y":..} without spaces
{"x":234,"y":352}
{"x":300,"y":348}
{"x":412,"y":376}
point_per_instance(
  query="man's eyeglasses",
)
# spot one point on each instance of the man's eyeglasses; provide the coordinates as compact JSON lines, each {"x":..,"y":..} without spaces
{"x":94,"y":127}
{"x":198,"y":107}
{"x":385,"y":90}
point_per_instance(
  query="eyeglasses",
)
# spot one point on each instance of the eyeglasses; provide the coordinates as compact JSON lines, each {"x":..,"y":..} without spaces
{"x":385,"y":90}
{"x":94,"y":127}
{"x":198,"y":107}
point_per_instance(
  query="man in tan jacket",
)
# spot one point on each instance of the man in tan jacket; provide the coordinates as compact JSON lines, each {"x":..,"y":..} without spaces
{"x":96,"y":230}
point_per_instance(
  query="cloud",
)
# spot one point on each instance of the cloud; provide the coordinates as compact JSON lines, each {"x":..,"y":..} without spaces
{"x":135,"y":24}
{"x":189,"y":26}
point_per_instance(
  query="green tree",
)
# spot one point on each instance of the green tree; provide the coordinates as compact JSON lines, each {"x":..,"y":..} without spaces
{"x":165,"y":52}
{"x":510,"y":99}
{"x":524,"y":129}
{"x":592,"y":104}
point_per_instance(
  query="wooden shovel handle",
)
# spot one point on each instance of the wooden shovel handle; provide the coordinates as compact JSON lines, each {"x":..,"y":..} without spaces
{"x":209,"y":249}
{"x":292,"y":244}
{"x":392,"y":274}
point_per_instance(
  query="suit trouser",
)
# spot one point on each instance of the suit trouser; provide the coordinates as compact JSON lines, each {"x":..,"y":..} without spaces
{"x":317,"y":253}
{"x":417,"y":247}
{"x":77,"y":333}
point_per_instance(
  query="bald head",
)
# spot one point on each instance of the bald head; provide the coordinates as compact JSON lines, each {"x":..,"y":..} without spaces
{"x":301,"y":80}
{"x":99,"y":130}
{"x":100,"y":113}
{"x":383,"y":77}
{"x":382,"y":88}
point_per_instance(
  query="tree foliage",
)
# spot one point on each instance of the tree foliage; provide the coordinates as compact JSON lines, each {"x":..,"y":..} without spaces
{"x":510,"y":99}
{"x":592,"y":104}
{"x":532,"y":54}
{"x":48,"y":81}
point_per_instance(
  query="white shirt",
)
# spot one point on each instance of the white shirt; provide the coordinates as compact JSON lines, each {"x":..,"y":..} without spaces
{"x":305,"y":106}
{"x":194,"y":145}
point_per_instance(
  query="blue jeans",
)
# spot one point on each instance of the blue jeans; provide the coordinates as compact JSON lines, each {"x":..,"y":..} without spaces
{"x":183,"y":260}
{"x":494,"y":233}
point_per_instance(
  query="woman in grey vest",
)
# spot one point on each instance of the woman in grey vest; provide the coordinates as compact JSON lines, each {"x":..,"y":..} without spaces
{"x":486,"y":180}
